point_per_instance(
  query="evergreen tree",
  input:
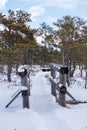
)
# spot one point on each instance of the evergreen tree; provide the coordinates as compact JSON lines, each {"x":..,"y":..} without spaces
{"x":69,"y":36}
{"x":16,"y":36}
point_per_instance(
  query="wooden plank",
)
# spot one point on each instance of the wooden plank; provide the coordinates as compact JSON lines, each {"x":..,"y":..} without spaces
{"x":16,"y":93}
{"x":59,"y":68}
{"x":71,"y":96}
{"x":13,"y":99}
{"x":73,"y":102}
{"x":58,"y":88}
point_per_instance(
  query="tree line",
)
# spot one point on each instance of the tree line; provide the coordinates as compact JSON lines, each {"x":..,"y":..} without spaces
{"x":65,"y":44}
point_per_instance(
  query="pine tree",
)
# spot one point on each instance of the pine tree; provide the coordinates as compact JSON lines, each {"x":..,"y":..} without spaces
{"x":16,"y":37}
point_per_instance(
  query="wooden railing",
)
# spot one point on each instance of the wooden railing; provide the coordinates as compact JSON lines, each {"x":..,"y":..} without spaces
{"x":59,"y":88}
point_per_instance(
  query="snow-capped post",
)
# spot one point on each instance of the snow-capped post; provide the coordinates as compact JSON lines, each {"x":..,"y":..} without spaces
{"x":59,"y":86}
{"x":22,"y":71}
{"x":62,"y":90}
{"x":25,"y":97}
{"x":63,"y":75}
{"x":25,"y":88}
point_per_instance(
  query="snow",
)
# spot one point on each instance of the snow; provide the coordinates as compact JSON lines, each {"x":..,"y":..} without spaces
{"x":22,"y":68}
{"x":24,"y":88}
{"x":44,"y":113}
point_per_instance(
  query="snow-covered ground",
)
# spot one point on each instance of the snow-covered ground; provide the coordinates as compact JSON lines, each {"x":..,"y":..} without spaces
{"x":44,"y":113}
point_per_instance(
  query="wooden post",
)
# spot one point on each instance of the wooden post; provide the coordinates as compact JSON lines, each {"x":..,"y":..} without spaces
{"x":25,"y":90}
{"x":62,"y":96}
{"x":53,"y":73}
{"x":53,"y":89}
{"x":63,"y":80}
{"x":25,"y":97}
{"x":63,"y":75}
{"x":86,"y":79}
{"x":24,"y":82}
{"x":24,"y":79}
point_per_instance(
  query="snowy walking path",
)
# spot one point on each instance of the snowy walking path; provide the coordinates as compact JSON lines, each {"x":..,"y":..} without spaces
{"x":44,"y":112}
{"x":43,"y":104}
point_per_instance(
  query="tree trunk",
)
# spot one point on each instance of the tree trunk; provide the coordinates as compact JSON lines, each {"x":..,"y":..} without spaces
{"x":17,"y":65}
{"x":73,"y":70}
{"x":9,"y":72}
{"x":9,"y":69}
{"x":86,"y":79}
{"x":81,"y":69}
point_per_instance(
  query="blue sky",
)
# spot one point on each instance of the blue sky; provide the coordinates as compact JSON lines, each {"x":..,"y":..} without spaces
{"x":46,"y":10}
